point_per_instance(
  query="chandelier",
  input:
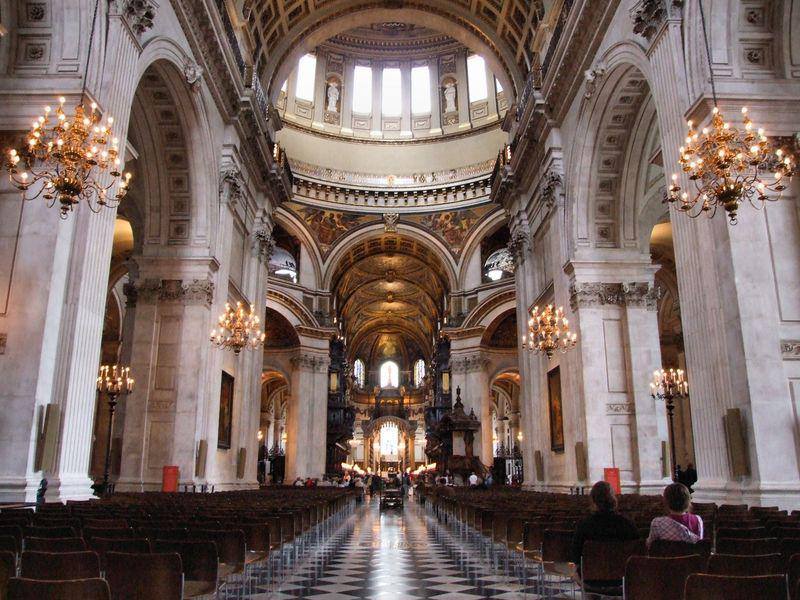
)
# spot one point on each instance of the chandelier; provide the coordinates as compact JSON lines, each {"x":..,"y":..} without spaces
{"x":548,"y":331}
{"x":70,"y":158}
{"x":238,"y":329}
{"x":727,"y":165}
{"x":73,"y":158}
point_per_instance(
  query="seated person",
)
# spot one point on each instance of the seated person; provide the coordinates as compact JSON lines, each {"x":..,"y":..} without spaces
{"x":679,"y":525}
{"x":604,"y":525}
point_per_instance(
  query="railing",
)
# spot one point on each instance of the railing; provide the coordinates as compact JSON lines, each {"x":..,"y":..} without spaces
{"x":231,"y":35}
{"x":557,"y":33}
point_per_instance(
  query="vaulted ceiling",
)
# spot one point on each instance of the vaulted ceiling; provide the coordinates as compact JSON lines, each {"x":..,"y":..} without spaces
{"x":502,"y":31}
{"x":384,"y":291}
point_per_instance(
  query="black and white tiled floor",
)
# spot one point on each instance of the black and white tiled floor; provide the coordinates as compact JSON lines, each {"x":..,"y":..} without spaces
{"x":398,"y":554}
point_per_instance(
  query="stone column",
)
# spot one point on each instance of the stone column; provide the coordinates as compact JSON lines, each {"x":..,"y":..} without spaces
{"x":405,"y":111}
{"x":307,"y":416}
{"x":347,"y":96}
{"x":76,"y":302}
{"x":170,"y":361}
{"x":529,"y":403}
{"x":737,"y":301}
{"x":618,"y":349}
{"x":463,"y":90}
{"x":469,"y":373}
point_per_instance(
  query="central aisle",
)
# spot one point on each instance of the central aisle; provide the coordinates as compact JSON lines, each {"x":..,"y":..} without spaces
{"x":394,"y":554}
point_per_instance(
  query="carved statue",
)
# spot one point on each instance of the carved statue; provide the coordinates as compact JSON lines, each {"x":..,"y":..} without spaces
{"x":333,"y":97}
{"x":450,"y":97}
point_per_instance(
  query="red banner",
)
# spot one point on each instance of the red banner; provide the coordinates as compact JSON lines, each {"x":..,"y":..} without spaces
{"x":611,"y":475}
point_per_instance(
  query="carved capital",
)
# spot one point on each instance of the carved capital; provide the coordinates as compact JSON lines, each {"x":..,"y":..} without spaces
{"x":469,"y":363}
{"x":594,"y":295}
{"x":311,"y":362}
{"x":139,"y":14}
{"x":231,"y":186}
{"x":263,"y":244}
{"x":641,"y":294}
{"x":152,"y":291}
{"x":550,"y":187}
{"x":199,"y":291}
{"x":649,"y":15}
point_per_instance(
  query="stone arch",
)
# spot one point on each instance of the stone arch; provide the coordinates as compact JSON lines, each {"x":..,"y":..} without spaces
{"x":601,"y":215}
{"x":297,"y":228}
{"x":289,"y":308}
{"x":426,"y":241}
{"x":172,"y":186}
{"x":319,"y":25}
{"x":491,"y":309}
{"x":473,"y":243}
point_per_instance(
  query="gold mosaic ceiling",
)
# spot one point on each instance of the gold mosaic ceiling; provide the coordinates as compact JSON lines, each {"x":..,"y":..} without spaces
{"x":382,"y":290}
{"x":282,"y":30}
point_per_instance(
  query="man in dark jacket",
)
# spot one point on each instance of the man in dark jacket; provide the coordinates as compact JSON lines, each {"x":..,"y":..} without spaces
{"x":604,"y":525}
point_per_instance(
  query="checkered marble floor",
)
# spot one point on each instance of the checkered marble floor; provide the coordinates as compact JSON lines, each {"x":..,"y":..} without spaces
{"x":399,"y":554}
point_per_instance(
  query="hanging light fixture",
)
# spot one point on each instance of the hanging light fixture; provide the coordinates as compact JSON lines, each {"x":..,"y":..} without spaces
{"x":728,"y":165}
{"x":238,"y":329}
{"x":70,"y":158}
{"x":548,"y":331}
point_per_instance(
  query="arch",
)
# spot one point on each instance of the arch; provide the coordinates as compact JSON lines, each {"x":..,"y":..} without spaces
{"x":612,"y":120}
{"x":491,"y":308}
{"x":294,"y":312}
{"x":166,"y":115}
{"x":297,"y":228}
{"x":327,"y":22}
{"x":429,"y":246}
{"x":501,"y":332}
{"x":488,"y":226}
{"x":389,"y":376}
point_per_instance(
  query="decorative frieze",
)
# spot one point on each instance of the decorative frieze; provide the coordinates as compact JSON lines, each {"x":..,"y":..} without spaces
{"x":790,"y":349}
{"x":311,"y":362}
{"x":152,"y":291}
{"x":469,"y":363}
{"x":593,"y":295}
{"x":620,"y":408}
{"x":641,"y":294}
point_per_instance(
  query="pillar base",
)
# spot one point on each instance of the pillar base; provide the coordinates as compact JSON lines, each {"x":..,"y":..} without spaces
{"x":785,"y":496}
{"x":69,"y":487}
{"x":19,"y":489}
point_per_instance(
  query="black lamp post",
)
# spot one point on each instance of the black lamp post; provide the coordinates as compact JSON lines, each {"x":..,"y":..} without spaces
{"x":667,"y":385}
{"x":113,"y":381}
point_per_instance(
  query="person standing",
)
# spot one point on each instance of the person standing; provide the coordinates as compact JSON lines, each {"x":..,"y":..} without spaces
{"x":690,"y":477}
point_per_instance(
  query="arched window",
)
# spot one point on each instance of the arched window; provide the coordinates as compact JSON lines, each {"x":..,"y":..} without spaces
{"x":362,"y":89}
{"x":306,"y":73}
{"x":390,"y":375}
{"x":358,"y":372}
{"x":283,"y":264}
{"x":419,"y":372}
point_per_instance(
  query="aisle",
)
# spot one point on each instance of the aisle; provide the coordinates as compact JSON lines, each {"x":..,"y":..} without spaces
{"x":394,"y":554}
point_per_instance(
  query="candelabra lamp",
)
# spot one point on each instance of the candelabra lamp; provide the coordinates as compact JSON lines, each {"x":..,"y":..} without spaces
{"x":113,"y":381}
{"x":548,"y":332}
{"x":669,"y":385}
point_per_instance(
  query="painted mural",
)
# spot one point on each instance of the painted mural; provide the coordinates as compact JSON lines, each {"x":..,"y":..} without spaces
{"x":328,"y":226}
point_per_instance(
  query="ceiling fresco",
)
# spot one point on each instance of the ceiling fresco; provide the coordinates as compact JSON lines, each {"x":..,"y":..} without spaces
{"x":394,"y":287}
{"x":328,"y":227}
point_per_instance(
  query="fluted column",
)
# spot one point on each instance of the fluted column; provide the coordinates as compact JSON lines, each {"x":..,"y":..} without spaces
{"x":80,"y":335}
{"x":737,"y":302}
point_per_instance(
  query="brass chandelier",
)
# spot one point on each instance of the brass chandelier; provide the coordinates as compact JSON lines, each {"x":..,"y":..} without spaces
{"x":70,"y":158}
{"x":238,"y":329}
{"x":727,"y":165}
{"x":548,"y":332}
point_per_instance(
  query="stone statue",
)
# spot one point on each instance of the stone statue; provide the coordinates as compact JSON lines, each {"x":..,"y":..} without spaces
{"x":333,"y":96}
{"x":450,"y":97}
